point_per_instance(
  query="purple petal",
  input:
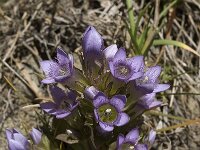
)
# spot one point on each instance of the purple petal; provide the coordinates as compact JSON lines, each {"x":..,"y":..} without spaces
{"x":152,"y":137}
{"x":147,"y":100}
{"x":120,"y":141}
{"x":111,"y":66}
{"x":62,"y":56}
{"x":146,"y":88}
{"x":36,"y":136}
{"x":92,"y":43}
{"x":120,"y":55}
{"x":50,"y":68}
{"x":90,"y":92}
{"x":153,"y":73}
{"x":118,"y":102}
{"x":20,"y":139}
{"x":48,"y":81}
{"x":48,"y":106}
{"x":8,"y":134}
{"x":155,"y":104}
{"x":99,"y":99}
{"x":137,"y":63}
{"x":110,"y":52}
{"x":135,"y":76}
{"x":73,"y":106}
{"x":132,"y":136}
{"x":122,"y":119}
{"x":141,"y":147}
{"x":62,"y":79}
{"x":96,"y":115}
{"x":58,"y":94}
{"x":71,"y":61}
{"x":161,"y":87}
{"x":15,"y":145}
{"x":63,"y":115}
{"x":106,"y":127}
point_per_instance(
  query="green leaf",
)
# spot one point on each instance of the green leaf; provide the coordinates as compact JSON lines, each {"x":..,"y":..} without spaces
{"x":67,"y":139}
{"x":175,"y":43}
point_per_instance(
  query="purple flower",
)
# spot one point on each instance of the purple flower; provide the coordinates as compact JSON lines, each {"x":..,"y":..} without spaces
{"x":151,"y":137}
{"x":108,"y":113}
{"x":60,"y":70}
{"x":130,"y":141}
{"x":36,"y":136}
{"x":126,"y":69}
{"x":90,"y":92}
{"x":16,"y":141}
{"x":92,"y":43}
{"x":63,"y":105}
{"x":148,"y":83}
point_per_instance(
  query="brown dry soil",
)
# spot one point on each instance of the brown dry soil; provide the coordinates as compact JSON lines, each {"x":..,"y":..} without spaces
{"x":30,"y":30}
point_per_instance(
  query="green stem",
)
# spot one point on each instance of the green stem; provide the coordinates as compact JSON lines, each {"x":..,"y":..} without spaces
{"x":132,"y":25}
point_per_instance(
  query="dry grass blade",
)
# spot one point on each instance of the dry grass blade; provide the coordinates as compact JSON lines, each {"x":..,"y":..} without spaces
{"x":186,"y":123}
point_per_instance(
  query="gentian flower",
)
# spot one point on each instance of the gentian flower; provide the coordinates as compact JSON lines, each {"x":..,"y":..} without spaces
{"x":92,"y":43}
{"x":90,"y":92}
{"x":126,"y":69}
{"x":36,"y":136}
{"x":151,"y":137}
{"x":60,"y":70}
{"x":16,"y":141}
{"x":148,"y":83}
{"x":63,"y":105}
{"x":108,"y":113}
{"x":131,"y":141}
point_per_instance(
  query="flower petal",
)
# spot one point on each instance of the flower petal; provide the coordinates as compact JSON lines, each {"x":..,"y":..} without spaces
{"x":90,"y":92}
{"x":62,"y":79}
{"x":61,"y":113}
{"x":152,"y":137}
{"x":36,"y":136}
{"x":122,"y":119}
{"x":48,"y":106}
{"x":135,"y":76}
{"x":9,"y":134}
{"x":120,"y":141}
{"x":155,"y":104}
{"x":146,"y":100}
{"x":58,"y":94}
{"x":62,"y":56}
{"x":96,"y":115}
{"x":112,"y":68}
{"x":110,"y":52}
{"x":118,"y":102}
{"x":48,"y":81}
{"x":132,"y":136}
{"x":141,"y":147}
{"x":50,"y":68}
{"x":153,"y":73}
{"x":20,"y":139}
{"x":92,"y":43}
{"x":137,"y":63}
{"x":120,"y":55}
{"x":161,"y":87}
{"x":15,"y":145}
{"x":106,"y":127}
{"x":99,"y":99}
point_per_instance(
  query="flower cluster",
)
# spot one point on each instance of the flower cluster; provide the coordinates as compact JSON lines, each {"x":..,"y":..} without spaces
{"x":106,"y":97}
{"x":16,"y":141}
